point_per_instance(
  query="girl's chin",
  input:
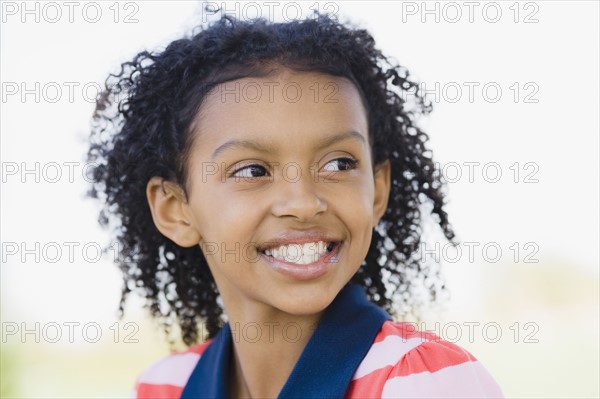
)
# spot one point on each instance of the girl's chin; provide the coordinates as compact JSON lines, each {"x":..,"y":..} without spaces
{"x":305,"y":305}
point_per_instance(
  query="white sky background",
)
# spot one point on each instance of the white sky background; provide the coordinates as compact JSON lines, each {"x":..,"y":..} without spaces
{"x":558,"y":55}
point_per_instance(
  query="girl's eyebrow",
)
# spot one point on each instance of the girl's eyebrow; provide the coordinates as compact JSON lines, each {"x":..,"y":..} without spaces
{"x":350,"y":135}
{"x":262,"y":147}
{"x":247,"y":144}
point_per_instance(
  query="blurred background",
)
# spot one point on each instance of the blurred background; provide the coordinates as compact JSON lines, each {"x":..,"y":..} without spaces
{"x":514,"y":87}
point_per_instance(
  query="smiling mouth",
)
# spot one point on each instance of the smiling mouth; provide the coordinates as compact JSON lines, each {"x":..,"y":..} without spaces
{"x":301,"y":254}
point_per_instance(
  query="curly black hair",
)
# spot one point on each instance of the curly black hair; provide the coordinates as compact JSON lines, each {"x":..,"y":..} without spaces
{"x":141,"y":129}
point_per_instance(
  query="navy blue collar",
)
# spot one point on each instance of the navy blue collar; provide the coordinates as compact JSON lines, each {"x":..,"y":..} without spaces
{"x":325,"y":368}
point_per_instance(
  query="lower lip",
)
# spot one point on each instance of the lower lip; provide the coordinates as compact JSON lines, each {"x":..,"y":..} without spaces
{"x":304,"y":272}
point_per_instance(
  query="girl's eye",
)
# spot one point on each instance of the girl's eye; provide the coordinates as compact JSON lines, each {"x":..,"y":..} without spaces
{"x":340,"y":164}
{"x":249,"y":172}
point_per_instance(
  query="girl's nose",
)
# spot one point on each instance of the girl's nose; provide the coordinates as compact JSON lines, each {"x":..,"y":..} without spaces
{"x":299,"y":199}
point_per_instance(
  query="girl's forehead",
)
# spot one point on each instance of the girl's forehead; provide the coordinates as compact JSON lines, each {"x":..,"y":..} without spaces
{"x":307,"y":104}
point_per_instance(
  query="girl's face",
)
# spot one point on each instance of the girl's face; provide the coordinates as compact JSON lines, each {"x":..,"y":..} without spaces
{"x":282,"y":197}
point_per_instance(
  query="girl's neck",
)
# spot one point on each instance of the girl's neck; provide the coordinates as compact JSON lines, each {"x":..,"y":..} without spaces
{"x":265,"y":352}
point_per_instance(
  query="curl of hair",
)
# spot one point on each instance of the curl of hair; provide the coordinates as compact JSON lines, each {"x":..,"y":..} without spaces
{"x":141,"y":128}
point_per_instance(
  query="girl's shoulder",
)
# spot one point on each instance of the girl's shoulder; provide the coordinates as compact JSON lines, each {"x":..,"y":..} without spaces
{"x":406,"y":362}
{"x":167,"y":377}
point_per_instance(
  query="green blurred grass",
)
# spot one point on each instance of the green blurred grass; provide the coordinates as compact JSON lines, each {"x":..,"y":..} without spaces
{"x":9,"y":370}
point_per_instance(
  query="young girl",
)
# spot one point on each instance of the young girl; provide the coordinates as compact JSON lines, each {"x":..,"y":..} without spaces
{"x":267,"y":179}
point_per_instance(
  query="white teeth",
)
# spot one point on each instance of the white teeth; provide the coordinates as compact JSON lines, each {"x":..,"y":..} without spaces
{"x":301,"y":254}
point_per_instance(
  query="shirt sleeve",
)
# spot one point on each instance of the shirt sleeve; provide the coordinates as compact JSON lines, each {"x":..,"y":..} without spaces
{"x":439,"y":369}
{"x":406,"y":363}
{"x":166,"y":378}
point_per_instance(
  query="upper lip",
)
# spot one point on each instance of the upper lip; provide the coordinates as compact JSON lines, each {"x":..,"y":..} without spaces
{"x":297,"y":237}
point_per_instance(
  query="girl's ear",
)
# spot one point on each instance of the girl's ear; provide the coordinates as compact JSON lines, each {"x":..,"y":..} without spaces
{"x":382,"y":190}
{"x":168,"y":205}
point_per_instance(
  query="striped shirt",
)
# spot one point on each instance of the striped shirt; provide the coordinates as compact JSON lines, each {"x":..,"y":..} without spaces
{"x":393,"y":360}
